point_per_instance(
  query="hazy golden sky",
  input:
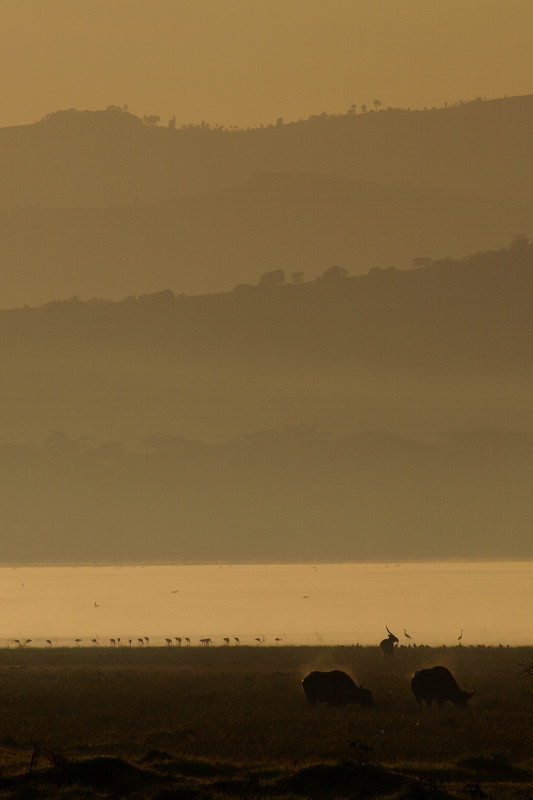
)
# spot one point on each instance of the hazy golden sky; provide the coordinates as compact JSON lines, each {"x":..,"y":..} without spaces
{"x":250,"y":61}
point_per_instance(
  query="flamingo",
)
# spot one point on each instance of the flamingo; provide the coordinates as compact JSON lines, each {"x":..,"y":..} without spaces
{"x":236,"y":640}
{"x":169,"y":642}
{"x":460,"y":637}
{"x":225,"y":640}
{"x":141,"y":641}
{"x":28,"y":641}
{"x":406,"y":634}
{"x":94,"y":641}
{"x":187,"y":640}
{"x":49,"y":641}
{"x":78,"y":641}
{"x":112,"y":642}
{"x":178,"y":640}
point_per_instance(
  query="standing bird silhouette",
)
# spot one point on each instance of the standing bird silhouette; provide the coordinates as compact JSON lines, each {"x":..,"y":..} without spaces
{"x":406,"y":634}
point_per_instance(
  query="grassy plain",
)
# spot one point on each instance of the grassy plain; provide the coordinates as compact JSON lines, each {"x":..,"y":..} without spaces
{"x":232,"y":722}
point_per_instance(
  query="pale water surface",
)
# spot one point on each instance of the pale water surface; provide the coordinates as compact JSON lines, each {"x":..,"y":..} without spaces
{"x":299,"y":604}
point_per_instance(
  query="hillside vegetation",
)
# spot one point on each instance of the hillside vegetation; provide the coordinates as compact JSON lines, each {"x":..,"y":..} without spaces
{"x":346,"y":418}
{"x":97,"y":158}
{"x":96,"y":203}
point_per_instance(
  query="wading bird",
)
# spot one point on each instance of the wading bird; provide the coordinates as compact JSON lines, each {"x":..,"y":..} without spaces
{"x":169,"y":642}
{"x":236,"y":640}
{"x":49,"y":642}
{"x":460,"y":637}
{"x":225,"y":640}
{"x":406,"y":634}
{"x":178,"y":640}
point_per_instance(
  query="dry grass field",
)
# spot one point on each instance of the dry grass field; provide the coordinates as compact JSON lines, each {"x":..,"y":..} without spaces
{"x":233,"y":722}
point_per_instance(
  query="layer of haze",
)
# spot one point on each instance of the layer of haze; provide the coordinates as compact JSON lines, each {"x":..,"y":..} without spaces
{"x":308,"y":340}
{"x":245,"y":63}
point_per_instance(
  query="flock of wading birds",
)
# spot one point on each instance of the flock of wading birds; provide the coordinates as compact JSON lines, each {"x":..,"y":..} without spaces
{"x":387,"y":645}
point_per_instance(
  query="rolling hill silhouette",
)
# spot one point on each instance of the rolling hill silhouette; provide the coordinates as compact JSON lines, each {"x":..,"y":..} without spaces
{"x":349,"y":417}
{"x":105,"y":158}
{"x":217,"y":240}
{"x":446,"y":345}
{"x":96,"y":203}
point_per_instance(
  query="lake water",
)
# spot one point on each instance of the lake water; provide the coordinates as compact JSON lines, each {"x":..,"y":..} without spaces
{"x":299,"y":604}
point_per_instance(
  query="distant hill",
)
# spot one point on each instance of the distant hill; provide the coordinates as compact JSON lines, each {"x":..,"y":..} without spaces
{"x":98,"y":203}
{"x":106,"y":158}
{"x":296,"y":494}
{"x":375,"y":416}
{"x":214,"y":241}
{"x":446,"y":345}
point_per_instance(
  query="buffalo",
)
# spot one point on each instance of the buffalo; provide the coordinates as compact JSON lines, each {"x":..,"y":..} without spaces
{"x":335,"y":688}
{"x":437,"y":685}
{"x":388,"y":644}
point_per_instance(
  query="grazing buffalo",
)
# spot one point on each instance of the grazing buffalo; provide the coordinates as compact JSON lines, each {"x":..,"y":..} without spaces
{"x":335,"y":688}
{"x":437,"y":684}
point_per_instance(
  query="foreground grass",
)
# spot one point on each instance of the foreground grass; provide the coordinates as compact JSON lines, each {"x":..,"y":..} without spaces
{"x":233,"y":722}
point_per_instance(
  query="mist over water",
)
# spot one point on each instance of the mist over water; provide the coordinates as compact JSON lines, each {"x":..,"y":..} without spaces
{"x":305,"y":604}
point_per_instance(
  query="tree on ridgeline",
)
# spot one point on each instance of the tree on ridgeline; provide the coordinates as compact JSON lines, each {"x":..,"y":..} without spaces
{"x":274,"y":277}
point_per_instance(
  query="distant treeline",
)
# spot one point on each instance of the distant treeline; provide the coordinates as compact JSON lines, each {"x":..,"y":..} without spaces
{"x":471,"y":311}
{"x":475,"y":148}
{"x":293,"y":494}
{"x":104,"y":203}
{"x":63,"y":116}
